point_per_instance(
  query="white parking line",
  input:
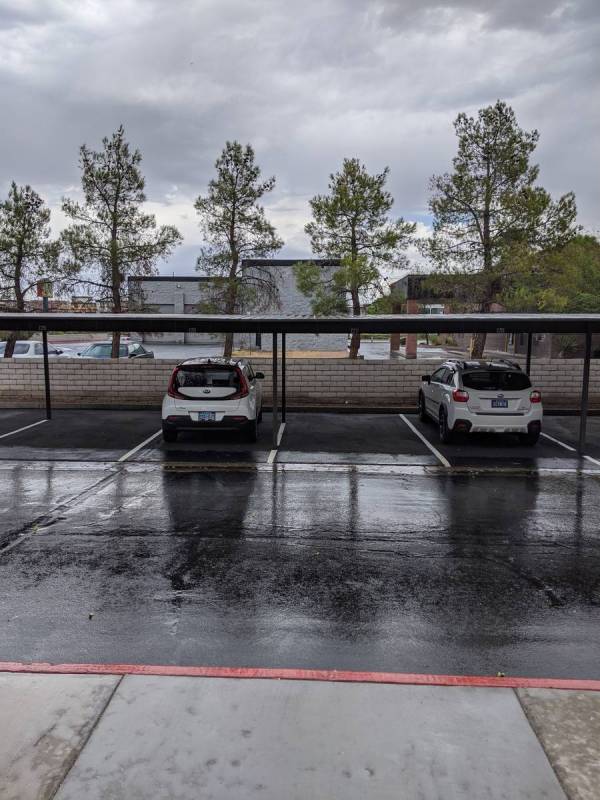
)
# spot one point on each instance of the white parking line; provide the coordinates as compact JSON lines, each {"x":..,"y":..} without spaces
{"x":140,"y":446}
{"x":569,"y":447}
{"x":557,"y":441}
{"x":280,"y":433}
{"x":273,"y":453}
{"x":24,"y":428}
{"x":272,"y":457}
{"x":428,"y":444}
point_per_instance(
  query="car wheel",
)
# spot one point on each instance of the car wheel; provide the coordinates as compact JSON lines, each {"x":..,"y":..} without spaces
{"x":529,"y":439}
{"x":445,"y":432}
{"x":252,"y":431}
{"x":422,"y":412}
{"x":169,"y":434}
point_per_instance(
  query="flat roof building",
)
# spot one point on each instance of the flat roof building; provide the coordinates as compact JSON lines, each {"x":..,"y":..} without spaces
{"x":178,"y":294}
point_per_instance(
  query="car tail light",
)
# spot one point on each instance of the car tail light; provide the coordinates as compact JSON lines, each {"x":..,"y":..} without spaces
{"x":535,"y":397}
{"x":244,"y":388}
{"x":460,"y":396}
{"x":172,"y":387}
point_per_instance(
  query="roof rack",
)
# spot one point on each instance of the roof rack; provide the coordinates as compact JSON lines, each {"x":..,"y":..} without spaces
{"x":513,"y":364}
{"x":464,"y":363}
{"x":483,"y":364}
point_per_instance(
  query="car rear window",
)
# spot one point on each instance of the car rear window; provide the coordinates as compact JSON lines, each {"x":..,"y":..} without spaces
{"x":496,"y":380}
{"x":208,"y":376}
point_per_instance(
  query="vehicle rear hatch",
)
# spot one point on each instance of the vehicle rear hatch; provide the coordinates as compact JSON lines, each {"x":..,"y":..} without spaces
{"x":208,"y":381}
{"x":496,"y":391}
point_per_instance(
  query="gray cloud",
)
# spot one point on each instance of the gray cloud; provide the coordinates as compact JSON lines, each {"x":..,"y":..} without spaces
{"x":306,"y":84}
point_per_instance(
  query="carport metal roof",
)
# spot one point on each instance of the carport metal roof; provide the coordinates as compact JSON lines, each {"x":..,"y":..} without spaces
{"x":255,"y":323}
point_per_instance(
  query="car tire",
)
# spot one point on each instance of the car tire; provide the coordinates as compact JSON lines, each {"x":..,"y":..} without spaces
{"x":252,"y":431}
{"x":529,"y":439}
{"x":444,"y":430}
{"x":423,"y":416}
{"x":169,"y":434}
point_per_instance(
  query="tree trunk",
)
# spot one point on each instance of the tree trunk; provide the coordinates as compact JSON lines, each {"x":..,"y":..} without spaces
{"x":228,"y":346}
{"x":11,"y":340}
{"x":355,"y":333}
{"x":115,"y":278}
{"x":477,"y":345}
{"x":230,"y":301}
{"x":13,"y":336}
{"x":354,"y":343}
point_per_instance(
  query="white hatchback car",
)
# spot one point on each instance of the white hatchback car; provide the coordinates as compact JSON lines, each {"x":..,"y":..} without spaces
{"x":213,"y":393}
{"x":481,"y":396}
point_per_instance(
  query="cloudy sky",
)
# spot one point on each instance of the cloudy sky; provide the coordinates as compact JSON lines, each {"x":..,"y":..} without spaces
{"x":306,"y":83}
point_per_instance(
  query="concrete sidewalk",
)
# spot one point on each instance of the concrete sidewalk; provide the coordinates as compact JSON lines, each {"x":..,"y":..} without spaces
{"x":173,"y":738}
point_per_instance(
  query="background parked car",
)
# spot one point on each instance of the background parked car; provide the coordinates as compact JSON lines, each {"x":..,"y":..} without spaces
{"x":126,"y":350}
{"x":30,"y":348}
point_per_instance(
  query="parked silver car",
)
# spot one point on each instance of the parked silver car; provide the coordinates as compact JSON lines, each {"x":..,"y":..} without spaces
{"x":30,"y":348}
{"x":126,"y":350}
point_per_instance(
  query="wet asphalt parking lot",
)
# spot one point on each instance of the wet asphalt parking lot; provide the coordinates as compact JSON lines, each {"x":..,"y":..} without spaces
{"x":362,"y":543}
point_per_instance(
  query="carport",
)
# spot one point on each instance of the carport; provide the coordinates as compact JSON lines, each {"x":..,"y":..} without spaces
{"x":279,"y":326}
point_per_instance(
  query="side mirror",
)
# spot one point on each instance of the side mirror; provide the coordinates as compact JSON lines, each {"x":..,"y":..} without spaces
{"x":259,"y":375}
{"x":59,"y":352}
{"x":426,"y":378}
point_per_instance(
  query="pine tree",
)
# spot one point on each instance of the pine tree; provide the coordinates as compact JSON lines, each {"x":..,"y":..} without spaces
{"x":111,"y":238}
{"x":351,"y":223}
{"x":27,"y":252}
{"x":489,"y":207}
{"x":235,"y":228}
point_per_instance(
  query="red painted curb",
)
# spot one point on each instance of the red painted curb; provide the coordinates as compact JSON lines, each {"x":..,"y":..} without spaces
{"x":341,"y":676}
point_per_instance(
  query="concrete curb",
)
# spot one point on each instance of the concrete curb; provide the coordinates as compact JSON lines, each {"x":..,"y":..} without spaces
{"x":338,"y":676}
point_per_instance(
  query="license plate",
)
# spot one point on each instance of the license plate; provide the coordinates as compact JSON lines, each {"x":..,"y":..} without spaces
{"x":499,"y":403}
{"x":205,"y":416}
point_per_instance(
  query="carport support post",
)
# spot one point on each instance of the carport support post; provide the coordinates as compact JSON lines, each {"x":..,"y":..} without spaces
{"x":528,"y":363}
{"x":283,"y":377}
{"x":585,"y":392}
{"x":275,"y":411}
{"x":46,"y":372}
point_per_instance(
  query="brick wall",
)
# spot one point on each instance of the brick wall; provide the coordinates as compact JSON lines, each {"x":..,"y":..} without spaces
{"x":79,"y":382}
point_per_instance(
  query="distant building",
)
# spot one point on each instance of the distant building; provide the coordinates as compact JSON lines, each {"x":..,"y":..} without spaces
{"x":420,"y":299}
{"x":184,"y":294}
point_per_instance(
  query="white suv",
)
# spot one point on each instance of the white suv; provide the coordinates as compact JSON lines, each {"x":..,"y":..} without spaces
{"x":209,"y":393}
{"x":481,"y":396}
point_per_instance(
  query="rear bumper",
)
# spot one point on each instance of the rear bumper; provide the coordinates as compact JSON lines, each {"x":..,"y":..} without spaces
{"x":492,"y":424}
{"x":183,"y":422}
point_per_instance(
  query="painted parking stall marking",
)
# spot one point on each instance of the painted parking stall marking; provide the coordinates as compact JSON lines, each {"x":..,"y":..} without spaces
{"x":140,"y":446}
{"x":273,"y":453}
{"x":572,"y":449}
{"x":557,"y":441}
{"x":444,"y":461}
{"x":24,"y":428}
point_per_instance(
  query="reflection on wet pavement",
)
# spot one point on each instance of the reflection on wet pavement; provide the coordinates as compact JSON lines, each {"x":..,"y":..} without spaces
{"x":415,"y":572}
